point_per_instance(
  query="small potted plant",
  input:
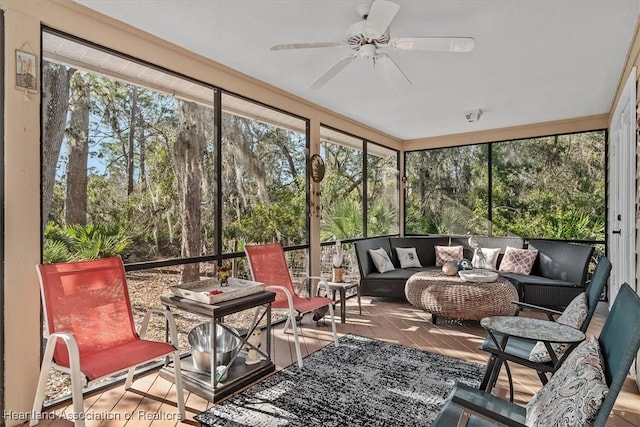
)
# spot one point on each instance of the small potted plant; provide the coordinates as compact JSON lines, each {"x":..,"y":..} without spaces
{"x":224,"y":271}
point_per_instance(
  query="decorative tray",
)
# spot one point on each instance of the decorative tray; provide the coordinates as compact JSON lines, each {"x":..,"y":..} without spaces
{"x":201,"y":290}
{"x":478,"y":275}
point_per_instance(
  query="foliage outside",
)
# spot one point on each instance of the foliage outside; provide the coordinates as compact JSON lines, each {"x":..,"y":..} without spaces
{"x":78,"y":242}
{"x":152,"y":164}
{"x":551,"y":187}
{"x":343,"y":193}
{"x":145,"y":163}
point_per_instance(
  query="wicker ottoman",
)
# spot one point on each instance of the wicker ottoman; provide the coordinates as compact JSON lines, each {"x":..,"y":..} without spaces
{"x":453,"y":298}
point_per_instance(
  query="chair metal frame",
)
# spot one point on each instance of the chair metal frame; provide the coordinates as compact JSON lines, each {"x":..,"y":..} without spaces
{"x":517,"y":350}
{"x":292,"y":298}
{"x":79,"y":379}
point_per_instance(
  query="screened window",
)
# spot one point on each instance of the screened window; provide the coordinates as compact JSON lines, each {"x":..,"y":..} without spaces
{"x":263,"y":175}
{"x":342,"y":188}
{"x":128,"y":159}
{"x":446,"y":191}
{"x":382,"y":191}
{"x":551,"y":187}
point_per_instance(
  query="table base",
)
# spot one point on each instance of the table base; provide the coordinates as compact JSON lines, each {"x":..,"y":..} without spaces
{"x":341,"y":288}
{"x":240,"y":375}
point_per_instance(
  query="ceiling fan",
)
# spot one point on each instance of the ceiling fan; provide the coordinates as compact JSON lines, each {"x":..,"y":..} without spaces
{"x":370,"y":35}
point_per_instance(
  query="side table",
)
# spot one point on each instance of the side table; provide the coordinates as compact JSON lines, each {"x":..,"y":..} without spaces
{"x":239,"y":374}
{"x":341,"y":288}
{"x":527,"y":328}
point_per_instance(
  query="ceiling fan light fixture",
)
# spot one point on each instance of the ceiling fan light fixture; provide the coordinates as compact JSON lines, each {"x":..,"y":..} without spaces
{"x":367,"y":51}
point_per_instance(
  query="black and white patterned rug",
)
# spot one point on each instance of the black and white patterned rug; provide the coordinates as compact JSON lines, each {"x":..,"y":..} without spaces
{"x":362,"y":382}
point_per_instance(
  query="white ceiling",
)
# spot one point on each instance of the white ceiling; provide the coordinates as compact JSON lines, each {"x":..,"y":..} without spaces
{"x":534,"y":61}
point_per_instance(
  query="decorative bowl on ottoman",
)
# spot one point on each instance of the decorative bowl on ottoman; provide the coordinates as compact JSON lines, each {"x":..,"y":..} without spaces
{"x":200,"y":341}
{"x":478,"y":275}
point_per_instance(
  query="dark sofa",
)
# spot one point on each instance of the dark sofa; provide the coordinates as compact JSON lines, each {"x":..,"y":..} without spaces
{"x":559,"y":273}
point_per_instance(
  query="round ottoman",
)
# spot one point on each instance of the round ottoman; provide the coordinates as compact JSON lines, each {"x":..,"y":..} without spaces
{"x":453,"y":298}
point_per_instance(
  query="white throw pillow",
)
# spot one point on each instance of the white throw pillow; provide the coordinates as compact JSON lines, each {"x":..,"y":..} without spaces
{"x":574,"y":315}
{"x":490,"y":258}
{"x":574,"y":394}
{"x":381,"y":260}
{"x":408,"y":257}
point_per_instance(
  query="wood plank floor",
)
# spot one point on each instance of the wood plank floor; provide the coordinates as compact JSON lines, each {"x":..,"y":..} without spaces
{"x":151,"y":401}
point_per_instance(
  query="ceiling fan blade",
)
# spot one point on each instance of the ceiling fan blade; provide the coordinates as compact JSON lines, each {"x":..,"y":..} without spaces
{"x":390,"y":70}
{"x":331,"y":72}
{"x":445,"y":44}
{"x":305,"y":45}
{"x":380,"y":16}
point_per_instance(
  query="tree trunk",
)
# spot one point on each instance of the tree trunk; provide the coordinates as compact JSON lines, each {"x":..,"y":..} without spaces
{"x":189,"y":152}
{"x":76,"y":197}
{"x":280,"y":139}
{"x":143,"y":162}
{"x":237,"y":131}
{"x":55,"y":100}
{"x":132,"y":138}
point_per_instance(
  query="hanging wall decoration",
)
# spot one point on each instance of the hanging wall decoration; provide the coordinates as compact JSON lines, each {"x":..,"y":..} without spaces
{"x":317,"y":168}
{"x":26,"y":65}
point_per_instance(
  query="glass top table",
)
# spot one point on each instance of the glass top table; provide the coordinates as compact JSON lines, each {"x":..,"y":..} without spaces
{"x":533,"y":329}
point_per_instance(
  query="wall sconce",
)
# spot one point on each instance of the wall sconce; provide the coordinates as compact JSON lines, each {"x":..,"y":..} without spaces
{"x":473,"y":115}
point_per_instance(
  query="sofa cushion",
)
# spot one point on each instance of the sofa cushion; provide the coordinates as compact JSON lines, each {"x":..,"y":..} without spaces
{"x":574,"y":315}
{"x":518,"y":261}
{"x":398,"y":273}
{"x":448,"y":253}
{"x":408,"y":257}
{"x":365,"y":263}
{"x":574,"y":394}
{"x":561,"y":260}
{"x":381,"y":260}
{"x":527,"y":279}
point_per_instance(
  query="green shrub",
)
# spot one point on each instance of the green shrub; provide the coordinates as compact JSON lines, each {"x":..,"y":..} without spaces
{"x":80,"y":242}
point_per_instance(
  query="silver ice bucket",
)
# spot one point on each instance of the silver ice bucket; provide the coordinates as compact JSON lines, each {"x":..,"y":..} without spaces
{"x":200,"y":342}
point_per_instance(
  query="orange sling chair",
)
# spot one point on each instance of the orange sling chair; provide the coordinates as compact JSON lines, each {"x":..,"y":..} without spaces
{"x":91,"y":331}
{"x":269,"y":266}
